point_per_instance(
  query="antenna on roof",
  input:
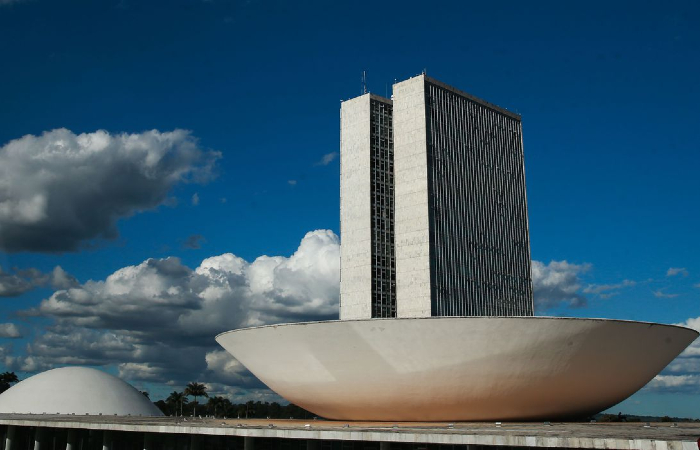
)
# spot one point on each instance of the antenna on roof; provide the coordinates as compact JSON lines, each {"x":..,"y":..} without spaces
{"x":364,"y":82}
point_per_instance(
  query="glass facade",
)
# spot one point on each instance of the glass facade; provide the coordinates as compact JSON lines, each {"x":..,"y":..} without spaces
{"x":382,"y":204}
{"x":479,"y":240}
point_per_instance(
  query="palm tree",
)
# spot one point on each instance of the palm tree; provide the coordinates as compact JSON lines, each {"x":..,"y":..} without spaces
{"x":217,"y":402}
{"x":6,"y":380}
{"x":177,"y":397}
{"x":196,"y":390}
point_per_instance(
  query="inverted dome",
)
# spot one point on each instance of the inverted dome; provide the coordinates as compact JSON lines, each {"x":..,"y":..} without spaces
{"x":457,"y":368}
{"x":76,"y":390}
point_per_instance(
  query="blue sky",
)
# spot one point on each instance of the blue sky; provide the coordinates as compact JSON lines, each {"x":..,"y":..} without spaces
{"x":608,"y":93}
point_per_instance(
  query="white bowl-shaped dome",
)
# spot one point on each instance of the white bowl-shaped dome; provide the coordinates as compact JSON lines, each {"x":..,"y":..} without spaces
{"x":76,"y":390}
{"x":457,"y":368}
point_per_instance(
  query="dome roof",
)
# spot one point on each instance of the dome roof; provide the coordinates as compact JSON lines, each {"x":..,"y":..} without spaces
{"x":76,"y":390}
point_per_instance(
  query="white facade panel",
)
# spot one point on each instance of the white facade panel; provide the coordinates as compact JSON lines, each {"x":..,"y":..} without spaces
{"x":412,"y":224}
{"x":355,"y":207}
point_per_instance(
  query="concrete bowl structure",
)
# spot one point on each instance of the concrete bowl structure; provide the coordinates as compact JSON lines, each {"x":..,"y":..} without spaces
{"x":76,"y":390}
{"x":457,"y":368}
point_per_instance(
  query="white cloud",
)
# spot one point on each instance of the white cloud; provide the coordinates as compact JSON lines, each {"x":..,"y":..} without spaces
{"x":9,"y":330}
{"x":195,"y":199}
{"x":156,"y":320}
{"x":558,"y":283}
{"x":327,"y":159}
{"x":661,"y":294}
{"x":59,"y":190}
{"x":292,"y":182}
{"x":608,"y":290}
{"x":687,"y":384}
{"x":673,"y":271}
{"x":683,"y":374}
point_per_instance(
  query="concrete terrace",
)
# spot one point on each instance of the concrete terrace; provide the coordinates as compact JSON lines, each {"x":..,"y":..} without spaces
{"x":633,"y":435}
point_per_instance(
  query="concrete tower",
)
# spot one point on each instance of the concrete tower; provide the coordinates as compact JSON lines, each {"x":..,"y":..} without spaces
{"x":433,"y":207}
{"x":367,"y":275}
{"x":462,"y":240}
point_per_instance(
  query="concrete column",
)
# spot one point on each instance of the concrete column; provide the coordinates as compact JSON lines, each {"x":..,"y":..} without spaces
{"x":10,"y":437}
{"x":106,"y":440}
{"x":147,"y":441}
{"x":384,"y":445}
{"x":70,"y":440}
{"x":248,"y":443}
{"x":194,"y":442}
{"x":38,"y":438}
{"x":311,"y":444}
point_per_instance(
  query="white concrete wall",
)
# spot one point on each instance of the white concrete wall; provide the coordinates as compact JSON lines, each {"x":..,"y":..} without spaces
{"x":411,"y":191}
{"x":355,"y":210}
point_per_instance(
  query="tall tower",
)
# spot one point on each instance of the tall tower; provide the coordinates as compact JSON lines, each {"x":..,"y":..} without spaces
{"x":433,"y":208}
{"x":368,"y":274}
{"x":462,"y":240}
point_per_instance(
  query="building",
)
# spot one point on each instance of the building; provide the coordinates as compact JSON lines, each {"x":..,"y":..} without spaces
{"x":76,"y":390}
{"x":419,"y":369}
{"x":368,"y":275}
{"x":433,"y":206}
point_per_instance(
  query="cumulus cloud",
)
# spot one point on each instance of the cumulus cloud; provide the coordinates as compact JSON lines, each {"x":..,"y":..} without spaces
{"x":21,"y":281}
{"x":61,"y":189}
{"x":327,"y":159}
{"x":156,"y":321}
{"x":686,"y":384}
{"x":558,"y":283}
{"x":13,"y":285}
{"x":673,"y":271}
{"x":683,"y":374}
{"x":9,"y":330}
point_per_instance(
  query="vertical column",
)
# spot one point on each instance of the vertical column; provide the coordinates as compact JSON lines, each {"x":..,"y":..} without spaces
{"x":311,"y":444}
{"x":194,"y":442}
{"x":147,"y":441}
{"x":106,"y":440}
{"x":38,"y":438}
{"x":411,"y":201}
{"x":70,"y":440}
{"x":248,"y":443}
{"x":10,"y":437}
{"x":385,"y":446}
{"x":355,"y":209}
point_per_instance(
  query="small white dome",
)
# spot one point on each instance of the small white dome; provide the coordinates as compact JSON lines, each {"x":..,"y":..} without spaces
{"x":76,"y":390}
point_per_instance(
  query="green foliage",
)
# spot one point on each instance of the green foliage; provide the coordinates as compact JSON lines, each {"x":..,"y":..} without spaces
{"x":176,"y":405}
{"x":195,"y":390}
{"x":6,"y":380}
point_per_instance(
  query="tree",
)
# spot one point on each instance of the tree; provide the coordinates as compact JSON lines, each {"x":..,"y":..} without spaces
{"x":195,"y":390}
{"x":176,"y":398}
{"x":217,"y":404}
{"x":6,"y":380}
